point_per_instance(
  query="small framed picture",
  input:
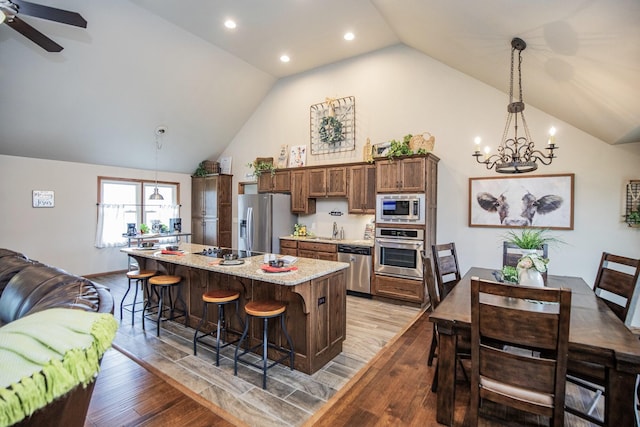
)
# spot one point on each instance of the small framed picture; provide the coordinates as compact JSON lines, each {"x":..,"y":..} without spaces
{"x":43,"y":199}
{"x":298,"y":156}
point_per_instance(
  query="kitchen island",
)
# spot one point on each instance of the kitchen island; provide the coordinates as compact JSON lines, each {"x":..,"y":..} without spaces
{"x":315,"y":295}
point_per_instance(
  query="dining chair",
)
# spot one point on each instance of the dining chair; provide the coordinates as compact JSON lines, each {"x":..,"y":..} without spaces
{"x":617,"y":276}
{"x":447,"y":271}
{"x":511,"y":253}
{"x":434,"y":300}
{"x":463,"y":350}
{"x":519,"y":346}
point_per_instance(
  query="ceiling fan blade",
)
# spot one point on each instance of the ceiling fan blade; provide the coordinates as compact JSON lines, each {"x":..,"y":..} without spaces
{"x":34,"y":35}
{"x":50,"y":13}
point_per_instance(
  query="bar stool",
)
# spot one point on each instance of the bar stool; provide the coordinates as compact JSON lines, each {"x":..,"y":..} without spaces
{"x":162,"y":285}
{"x":141,"y":277}
{"x":264,"y":310}
{"x":220,"y":297}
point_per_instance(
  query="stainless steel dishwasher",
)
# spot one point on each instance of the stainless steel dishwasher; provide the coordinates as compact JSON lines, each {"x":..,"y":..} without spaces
{"x":359,"y":274}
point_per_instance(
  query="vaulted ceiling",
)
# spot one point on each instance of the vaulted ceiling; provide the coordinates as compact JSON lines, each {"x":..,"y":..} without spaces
{"x":582,"y":62}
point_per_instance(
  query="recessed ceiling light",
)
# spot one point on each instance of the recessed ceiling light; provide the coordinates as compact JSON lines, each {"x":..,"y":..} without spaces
{"x":285,"y":58}
{"x":349,"y":36}
{"x":230,"y":23}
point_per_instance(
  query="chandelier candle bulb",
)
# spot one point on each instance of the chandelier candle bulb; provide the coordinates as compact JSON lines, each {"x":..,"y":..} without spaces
{"x":552,"y":136}
{"x":477,"y":141}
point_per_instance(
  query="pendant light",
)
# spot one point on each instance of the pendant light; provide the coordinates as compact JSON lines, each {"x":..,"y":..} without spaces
{"x":160,"y":131}
{"x":516,"y":154}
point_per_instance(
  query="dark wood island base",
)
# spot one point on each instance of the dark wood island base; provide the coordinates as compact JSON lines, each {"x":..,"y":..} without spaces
{"x":315,"y":295}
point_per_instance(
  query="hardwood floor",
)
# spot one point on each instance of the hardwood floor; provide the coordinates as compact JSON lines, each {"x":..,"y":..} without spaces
{"x":369,"y":387}
{"x":128,"y":394}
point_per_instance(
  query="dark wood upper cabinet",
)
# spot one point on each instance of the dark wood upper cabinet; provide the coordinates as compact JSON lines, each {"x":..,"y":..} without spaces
{"x":401,"y":175}
{"x":328,"y":182}
{"x":280,"y":182}
{"x":300,"y":201}
{"x":362,"y":189}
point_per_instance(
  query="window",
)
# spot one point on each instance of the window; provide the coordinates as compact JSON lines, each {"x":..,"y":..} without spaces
{"x":122,"y":202}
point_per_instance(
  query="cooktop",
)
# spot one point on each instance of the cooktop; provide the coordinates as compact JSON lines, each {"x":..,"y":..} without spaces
{"x":216,"y":252}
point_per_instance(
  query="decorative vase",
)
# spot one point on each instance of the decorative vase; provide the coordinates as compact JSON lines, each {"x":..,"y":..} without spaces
{"x":530,"y":277}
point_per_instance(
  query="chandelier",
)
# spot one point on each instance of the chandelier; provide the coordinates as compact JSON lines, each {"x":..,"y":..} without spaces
{"x":516,"y":154}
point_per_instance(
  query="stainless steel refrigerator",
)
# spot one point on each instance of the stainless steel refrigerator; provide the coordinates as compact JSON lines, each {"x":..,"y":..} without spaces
{"x":262,"y":219}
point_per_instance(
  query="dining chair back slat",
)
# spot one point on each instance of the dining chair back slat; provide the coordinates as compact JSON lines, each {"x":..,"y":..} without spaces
{"x":519,"y":347}
{"x":447,"y":270}
{"x":429,"y":280}
{"x":617,"y":275}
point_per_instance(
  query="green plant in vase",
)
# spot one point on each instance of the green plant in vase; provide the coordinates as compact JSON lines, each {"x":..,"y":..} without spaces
{"x":144,"y":228}
{"x":260,"y":167}
{"x":531,"y":238}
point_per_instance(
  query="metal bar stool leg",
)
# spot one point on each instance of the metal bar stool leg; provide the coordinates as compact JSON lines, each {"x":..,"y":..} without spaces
{"x":242,"y":338}
{"x":160,"y":307}
{"x":195,"y":335}
{"x":135,"y":299}
{"x":265,"y":346}
{"x":124,"y":297}
{"x":221,"y":322}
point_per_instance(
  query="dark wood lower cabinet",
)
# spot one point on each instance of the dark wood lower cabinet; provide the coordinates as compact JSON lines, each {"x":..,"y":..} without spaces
{"x":398,"y":288}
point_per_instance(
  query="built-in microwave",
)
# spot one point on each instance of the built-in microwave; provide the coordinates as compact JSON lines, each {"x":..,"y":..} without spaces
{"x":400,"y":208}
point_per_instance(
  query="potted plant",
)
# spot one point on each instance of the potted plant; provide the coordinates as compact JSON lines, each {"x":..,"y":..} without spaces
{"x":531,"y":265}
{"x":530,"y":268}
{"x":144,"y":228}
{"x":201,"y":170}
{"x":531,"y":238}
{"x":259,"y":167}
{"x":399,"y":148}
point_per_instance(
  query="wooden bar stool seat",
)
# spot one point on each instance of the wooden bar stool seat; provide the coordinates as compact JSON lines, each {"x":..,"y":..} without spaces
{"x":220,"y":297}
{"x":141,"y":278}
{"x":265,"y":310}
{"x":162,"y":285}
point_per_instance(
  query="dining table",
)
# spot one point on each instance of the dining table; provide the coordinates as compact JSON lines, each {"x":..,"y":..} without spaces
{"x":596,"y":335}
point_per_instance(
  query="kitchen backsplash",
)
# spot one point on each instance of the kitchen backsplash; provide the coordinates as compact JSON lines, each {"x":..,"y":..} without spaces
{"x":321,"y":223}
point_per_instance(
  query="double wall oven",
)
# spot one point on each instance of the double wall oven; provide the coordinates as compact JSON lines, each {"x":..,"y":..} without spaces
{"x":398,"y":252}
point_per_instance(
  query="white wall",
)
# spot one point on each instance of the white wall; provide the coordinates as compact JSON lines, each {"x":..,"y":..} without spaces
{"x":64,"y":236}
{"x":398,"y":91}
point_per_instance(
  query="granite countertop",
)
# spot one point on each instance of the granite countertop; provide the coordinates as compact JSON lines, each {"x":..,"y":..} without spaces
{"x":358,"y":242}
{"x":308,"y":268}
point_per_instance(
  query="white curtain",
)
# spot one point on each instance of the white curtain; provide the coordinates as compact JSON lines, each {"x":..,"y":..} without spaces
{"x":111,"y":226}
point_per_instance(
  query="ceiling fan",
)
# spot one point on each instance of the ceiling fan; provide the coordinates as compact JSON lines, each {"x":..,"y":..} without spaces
{"x":10,"y":9}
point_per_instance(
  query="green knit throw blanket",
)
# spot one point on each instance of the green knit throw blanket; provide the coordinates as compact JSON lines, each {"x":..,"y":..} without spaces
{"x":46,"y":354}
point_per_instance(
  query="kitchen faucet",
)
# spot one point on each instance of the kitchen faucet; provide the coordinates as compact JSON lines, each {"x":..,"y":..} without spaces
{"x":335,"y":231}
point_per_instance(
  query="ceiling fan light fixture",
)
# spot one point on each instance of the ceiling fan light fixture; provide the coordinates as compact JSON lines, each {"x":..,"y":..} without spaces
{"x":516,"y":154}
